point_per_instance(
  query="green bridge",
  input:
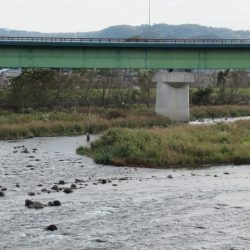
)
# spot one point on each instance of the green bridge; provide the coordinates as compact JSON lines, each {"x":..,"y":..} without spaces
{"x":44,"y":52}
{"x":180,"y":55}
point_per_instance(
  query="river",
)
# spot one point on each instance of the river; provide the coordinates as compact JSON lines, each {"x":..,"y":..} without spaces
{"x":138,"y":208}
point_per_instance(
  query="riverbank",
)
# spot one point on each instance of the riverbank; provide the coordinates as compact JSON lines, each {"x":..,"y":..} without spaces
{"x":220,"y":111}
{"x":175,"y":146}
{"x":41,"y":124}
{"x":95,"y":120}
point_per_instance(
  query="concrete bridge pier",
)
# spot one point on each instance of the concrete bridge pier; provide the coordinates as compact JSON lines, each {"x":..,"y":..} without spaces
{"x":172,"y":94}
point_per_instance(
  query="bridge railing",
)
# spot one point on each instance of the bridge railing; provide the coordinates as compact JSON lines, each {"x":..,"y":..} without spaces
{"x":128,"y":40}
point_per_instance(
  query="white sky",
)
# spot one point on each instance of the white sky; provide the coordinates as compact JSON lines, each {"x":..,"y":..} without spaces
{"x":92,"y":15}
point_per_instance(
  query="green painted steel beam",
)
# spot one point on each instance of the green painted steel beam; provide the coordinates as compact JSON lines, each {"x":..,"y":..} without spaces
{"x":121,"y":57}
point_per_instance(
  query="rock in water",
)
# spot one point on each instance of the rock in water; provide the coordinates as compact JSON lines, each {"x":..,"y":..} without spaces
{"x":31,"y":194}
{"x":51,"y":228}
{"x":28,"y":203}
{"x":1,"y":194}
{"x":50,"y":204}
{"x":55,"y":188}
{"x":33,"y":204}
{"x":38,"y":205}
{"x":56,"y":203}
{"x":103,"y":181}
{"x":67,"y":190}
{"x":73,"y":186}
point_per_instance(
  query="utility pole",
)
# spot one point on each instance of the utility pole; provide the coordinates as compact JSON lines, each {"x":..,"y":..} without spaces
{"x":149,"y":13}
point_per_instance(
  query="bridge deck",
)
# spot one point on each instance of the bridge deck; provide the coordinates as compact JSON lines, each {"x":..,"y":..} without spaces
{"x":54,"y":52}
{"x":130,"y":42}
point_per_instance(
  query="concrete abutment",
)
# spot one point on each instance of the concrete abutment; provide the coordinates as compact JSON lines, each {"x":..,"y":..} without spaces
{"x":172,"y":94}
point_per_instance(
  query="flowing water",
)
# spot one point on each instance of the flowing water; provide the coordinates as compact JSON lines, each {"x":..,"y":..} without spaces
{"x":138,"y":208}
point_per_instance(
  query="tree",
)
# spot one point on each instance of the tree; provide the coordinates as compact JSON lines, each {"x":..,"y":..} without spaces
{"x":221,"y":84}
{"x":36,"y":89}
{"x":145,"y":79}
{"x":106,"y":79}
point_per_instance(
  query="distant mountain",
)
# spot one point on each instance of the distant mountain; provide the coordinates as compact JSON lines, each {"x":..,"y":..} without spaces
{"x":144,"y":31}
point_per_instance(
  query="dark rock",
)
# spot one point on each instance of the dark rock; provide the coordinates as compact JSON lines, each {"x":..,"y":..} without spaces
{"x":28,"y":203}
{"x":215,"y":176}
{"x":1,"y":194}
{"x":44,"y":190}
{"x":15,"y":151}
{"x":114,"y":185}
{"x":55,"y":188}
{"x":67,"y":190}
{"x":100,"y":241}
{"x":103,"y":181}
{"x":78,"y":181}
{"x":29,"y":166}
{"x":50,"y":204}
{"x":51,"y":228}
{"x":123,"y":179}
{"x":61,"y":182}
{"x":38,"y":205}
{"x":40,"y":185}
{"x":25,"y":151}
{"x":31,"y":194}
{"x":170,"y":177}
{"x":4,"y":189}
{"x":33,"y":204}
{"x":73,"y":186}
{"x":56,"y":203}
{"x":17,"y":185}
{"x":227,"y":173}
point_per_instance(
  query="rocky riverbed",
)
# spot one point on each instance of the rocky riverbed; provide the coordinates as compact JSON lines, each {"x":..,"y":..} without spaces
{"x":100,"y":207}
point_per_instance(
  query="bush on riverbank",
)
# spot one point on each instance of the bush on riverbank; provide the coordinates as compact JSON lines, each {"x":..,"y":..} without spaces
{"x":180,"y":146}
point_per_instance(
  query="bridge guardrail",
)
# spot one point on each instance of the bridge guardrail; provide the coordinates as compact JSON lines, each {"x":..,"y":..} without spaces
{"x":128,"y":40}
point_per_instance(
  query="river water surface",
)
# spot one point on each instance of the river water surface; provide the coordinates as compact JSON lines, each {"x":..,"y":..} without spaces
{"x":145,"y":209}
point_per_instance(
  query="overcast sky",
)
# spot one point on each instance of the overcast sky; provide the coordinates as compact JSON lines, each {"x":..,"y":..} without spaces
{"x":91,"y":15}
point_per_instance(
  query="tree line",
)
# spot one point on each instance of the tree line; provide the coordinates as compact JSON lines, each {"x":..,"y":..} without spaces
{"x":49,"y":89}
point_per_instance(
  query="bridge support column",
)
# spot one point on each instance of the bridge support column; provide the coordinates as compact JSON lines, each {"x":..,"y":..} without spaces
{"x":172,"y":94}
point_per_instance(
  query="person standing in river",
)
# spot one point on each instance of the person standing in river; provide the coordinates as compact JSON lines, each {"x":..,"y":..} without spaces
{"x":88,"y":137}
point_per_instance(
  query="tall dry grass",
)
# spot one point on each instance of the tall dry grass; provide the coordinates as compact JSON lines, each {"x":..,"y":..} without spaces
{"x":15,"y":126}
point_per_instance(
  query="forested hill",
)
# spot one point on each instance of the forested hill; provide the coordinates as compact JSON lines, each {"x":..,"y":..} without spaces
{"x":144,"y":31}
